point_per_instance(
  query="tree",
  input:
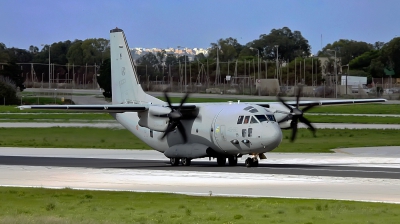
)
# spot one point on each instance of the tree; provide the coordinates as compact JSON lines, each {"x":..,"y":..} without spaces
{"x":290,"y":44}
{"x":171,"y":59}
{"x":3,"y":53}
{"x":228,"y":49}
{"x":13,"y":72}
{"x":391,"y":55}
{"x":347,"y":50}
{"x":8,"y":91}
{"x":363,"y":61}
{"x":148,"y":59}
{"x":104,"y":80}
{"x":75,"y":53}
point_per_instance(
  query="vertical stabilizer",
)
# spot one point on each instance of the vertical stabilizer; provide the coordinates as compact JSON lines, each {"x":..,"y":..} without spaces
{"x":125,"y":83}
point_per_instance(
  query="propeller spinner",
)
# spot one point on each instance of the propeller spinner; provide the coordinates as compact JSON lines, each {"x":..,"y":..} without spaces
{"x":175,"y":117}
{"x":298,"y":115}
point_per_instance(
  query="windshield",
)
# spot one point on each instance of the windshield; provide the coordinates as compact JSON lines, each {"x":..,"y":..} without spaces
{"x":271,"y":117}
{"x":261,"y":118}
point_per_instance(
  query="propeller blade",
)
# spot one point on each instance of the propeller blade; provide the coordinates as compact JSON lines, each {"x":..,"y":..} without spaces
{"x":286,"y":105}
{"x":183,"y":100}
{"x":309,"y":107}
{"x":294,"y":128}
{"x":298,"y":96}
{"x":170,"y":128}
{"x":182,"y":131}
{"x":167,"y":99}
{"x":308,"y":123}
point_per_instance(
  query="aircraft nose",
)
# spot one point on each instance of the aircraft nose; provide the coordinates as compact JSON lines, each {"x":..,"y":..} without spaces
{"x":274,"y":137}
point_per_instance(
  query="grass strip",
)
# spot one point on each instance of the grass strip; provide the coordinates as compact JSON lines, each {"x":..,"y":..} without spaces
{"x":358,"y":109}
{"x":353,"y":119}
{"x":58,"y":137}
{"x":39,"y":205}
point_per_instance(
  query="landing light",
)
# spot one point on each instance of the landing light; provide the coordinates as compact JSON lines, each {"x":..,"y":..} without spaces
{"x":235,"y":141}
{"x":245,"y":141}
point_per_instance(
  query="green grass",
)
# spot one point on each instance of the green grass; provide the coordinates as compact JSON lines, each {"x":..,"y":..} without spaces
{"x":39,"y":205}
{"x":359,"y":109}
{"x":352,"y":119}
{"x":70,"y":138}
{"x":59,"y":116}
{"x":326,"y":139}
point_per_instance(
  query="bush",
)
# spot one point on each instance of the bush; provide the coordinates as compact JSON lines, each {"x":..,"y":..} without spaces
{"x":8,"y":92}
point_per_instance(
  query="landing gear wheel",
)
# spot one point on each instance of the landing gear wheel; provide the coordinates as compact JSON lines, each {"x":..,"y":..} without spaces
{"x":232,"y":160}
{"x":174,"y":161}
{"x":248,"y":162}
{"x":251,"y":162}
{"x":186,"y":161}
{"x":221,"y":160}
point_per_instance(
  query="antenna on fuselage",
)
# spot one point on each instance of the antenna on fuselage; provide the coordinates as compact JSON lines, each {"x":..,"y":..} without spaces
{"x":238,"y":101}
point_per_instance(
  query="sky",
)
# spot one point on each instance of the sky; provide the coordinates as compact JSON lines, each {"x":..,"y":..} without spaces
{"x":195,"y":23}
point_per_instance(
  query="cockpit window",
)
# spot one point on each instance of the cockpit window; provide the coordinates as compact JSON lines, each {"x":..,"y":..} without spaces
{"x":246,"y":120}
{"x":254,"y":110}
{"x":240,"y":120}
{"x":251,"y":109}
{"x":253,"y":120}
{"x":261,"y":118}
{"x":271,"y":117}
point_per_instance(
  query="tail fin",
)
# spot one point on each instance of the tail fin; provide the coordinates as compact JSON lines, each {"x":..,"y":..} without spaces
{"x":125,"y":83}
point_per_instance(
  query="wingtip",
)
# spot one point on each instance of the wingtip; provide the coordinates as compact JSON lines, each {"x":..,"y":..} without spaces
{"x":23,"y":107}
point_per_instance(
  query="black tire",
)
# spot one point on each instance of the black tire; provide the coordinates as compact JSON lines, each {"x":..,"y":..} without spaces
{"x":232,"y":160}
{"x":249,"y":162}
{"x":221,"y":161}
{"x":255,"y":163}
{"x":186,"y":161}
{"x":174,"y":161}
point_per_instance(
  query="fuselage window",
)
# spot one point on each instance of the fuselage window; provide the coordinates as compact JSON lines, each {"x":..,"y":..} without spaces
{"x":271,"y":117}
{"x":246,"y":120}
{"x":244,"y":132}
{"x":253,"y":120}
{"x":261,"y":118}
{"x":250,"y":132}
{"x":240,"y":120}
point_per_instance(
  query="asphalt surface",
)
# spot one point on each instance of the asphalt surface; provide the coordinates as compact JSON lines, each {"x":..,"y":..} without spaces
{"x":205,"y":166}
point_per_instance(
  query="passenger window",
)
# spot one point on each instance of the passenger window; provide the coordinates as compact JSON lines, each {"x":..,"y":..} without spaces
{"x":240,"y":120}
{"x":253,"y":120}
{"x":246,"y":119}
{"x":244,"y":132}
{"x":250,"y":132}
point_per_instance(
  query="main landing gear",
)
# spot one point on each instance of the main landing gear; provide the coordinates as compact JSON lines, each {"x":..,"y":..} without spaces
{"x":232,"y":160}
{"x":184,"y":161}
{"x":251,"y":162}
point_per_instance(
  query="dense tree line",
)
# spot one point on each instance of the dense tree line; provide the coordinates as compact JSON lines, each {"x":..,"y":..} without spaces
{"x":283,"y":44}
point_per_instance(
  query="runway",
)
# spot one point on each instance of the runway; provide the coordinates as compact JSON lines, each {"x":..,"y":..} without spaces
{"x":346,"y":175}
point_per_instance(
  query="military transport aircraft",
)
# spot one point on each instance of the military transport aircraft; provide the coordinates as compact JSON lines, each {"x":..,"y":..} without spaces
{"x":186,"y":131}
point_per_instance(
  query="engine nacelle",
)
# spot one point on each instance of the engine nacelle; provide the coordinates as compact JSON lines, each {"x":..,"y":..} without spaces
{"x":153,"y":122}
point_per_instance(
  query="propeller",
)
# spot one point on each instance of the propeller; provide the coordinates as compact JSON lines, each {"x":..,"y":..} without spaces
{"x":175,"y":117}
{"x":297,"y":115}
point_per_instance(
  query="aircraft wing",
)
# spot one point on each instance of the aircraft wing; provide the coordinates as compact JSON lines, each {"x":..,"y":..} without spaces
{"x":111,"y":108}
{"x":323,"y":102}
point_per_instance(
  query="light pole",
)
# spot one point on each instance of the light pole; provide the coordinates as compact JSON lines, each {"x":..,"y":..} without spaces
{"x":49,"y":64}
{"x":346,"y":74}
{"x":335,"y":72}
{"x":258,"y":64}
{"x":277,"y":70}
